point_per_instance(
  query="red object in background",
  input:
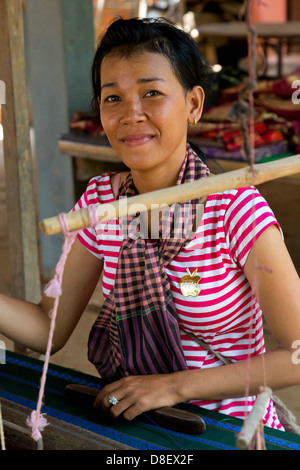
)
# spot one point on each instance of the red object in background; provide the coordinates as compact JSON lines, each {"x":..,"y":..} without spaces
{"x":89,"y":123}
{"x":234,"y":140}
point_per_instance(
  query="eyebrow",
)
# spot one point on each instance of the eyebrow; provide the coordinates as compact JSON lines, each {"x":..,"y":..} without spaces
{"x":140,"y":80}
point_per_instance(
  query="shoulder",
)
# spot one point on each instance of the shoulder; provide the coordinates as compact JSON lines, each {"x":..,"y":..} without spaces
{"x":117,"y":179}
{"x":98,"y":191}
{"x":235,"y":201}
{"x":229,"y":196}
{"x":239,"y":209}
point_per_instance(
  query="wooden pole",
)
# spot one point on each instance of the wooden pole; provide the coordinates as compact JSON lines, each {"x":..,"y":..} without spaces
{"x":248,"y":176}
{"x":24,"y":260}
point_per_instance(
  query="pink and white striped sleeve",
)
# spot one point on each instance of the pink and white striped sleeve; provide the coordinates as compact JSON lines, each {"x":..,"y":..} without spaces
{"x":247,"y":217}
{"x":87,"y":236}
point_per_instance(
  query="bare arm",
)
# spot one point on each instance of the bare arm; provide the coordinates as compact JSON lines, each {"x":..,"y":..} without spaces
{"x":28,"y":324}
{"x":278,"y":290}
{"x":276,"y":284}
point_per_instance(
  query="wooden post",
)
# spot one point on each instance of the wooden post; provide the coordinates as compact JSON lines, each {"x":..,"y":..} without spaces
{"x":24,"y":259}
{"x":59,"y":45}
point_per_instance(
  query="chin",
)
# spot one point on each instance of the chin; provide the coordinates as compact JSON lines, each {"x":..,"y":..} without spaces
{"x":138,"y":166}
{"x":136,"y":162}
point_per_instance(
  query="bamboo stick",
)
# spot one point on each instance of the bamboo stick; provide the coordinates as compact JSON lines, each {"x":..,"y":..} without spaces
{"x":255,"y":175}
{"x":250,"y":425}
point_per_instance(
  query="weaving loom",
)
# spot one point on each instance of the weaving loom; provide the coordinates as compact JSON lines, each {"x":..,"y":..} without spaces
{"x":19,"y":386}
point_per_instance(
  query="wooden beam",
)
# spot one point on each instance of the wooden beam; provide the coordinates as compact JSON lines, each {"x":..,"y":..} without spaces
{"x":255,"y":175}
{"x":58,"y":435}
{"x":23,"y":240}
{"x":102,"y":153}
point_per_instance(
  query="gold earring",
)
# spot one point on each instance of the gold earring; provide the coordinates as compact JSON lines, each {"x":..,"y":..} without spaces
{"x":195,"y":121}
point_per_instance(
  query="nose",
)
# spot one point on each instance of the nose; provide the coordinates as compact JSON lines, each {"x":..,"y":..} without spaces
{"x":132,"y":112}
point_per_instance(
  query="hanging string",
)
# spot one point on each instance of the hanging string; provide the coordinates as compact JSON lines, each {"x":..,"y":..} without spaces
{"x":245,"y":113}
{"x":242,"y":111}
{"x":252,"y":39}
{"x":37,"y":420}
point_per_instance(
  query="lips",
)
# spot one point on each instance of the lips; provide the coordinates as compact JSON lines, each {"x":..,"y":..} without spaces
{"x":137,"y":139}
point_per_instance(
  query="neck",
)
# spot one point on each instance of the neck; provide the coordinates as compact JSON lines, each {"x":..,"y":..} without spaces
{"x":155,"y":179}
{"x":146,"y":182}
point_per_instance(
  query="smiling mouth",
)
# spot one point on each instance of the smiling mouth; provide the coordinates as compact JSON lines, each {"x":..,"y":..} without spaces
{"x":135,"y":140}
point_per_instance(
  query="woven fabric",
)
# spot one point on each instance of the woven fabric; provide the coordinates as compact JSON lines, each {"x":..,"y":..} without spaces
{"x":137,"y":332}
{"x":20,"y":381}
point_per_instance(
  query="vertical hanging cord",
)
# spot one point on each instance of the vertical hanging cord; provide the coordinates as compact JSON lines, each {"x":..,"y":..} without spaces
{"x":37,"y":420}
{"x":251,"y":38}
{"x":258,"y":438}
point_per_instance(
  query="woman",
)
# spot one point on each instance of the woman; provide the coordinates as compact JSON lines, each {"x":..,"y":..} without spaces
{"x":148,"y":81}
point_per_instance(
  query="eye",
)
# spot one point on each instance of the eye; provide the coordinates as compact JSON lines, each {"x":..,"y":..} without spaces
{"x":111,"y":98}
{"x":153,"y":93}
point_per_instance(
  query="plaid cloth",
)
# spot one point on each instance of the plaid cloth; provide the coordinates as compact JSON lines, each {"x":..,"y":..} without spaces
{"x":137,"y":332}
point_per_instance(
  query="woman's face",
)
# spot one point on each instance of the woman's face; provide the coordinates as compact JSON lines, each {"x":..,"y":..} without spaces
{"x":145,"y":111}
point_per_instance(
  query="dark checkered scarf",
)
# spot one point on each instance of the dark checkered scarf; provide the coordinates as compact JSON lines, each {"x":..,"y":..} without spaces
{"x":137,"y":330}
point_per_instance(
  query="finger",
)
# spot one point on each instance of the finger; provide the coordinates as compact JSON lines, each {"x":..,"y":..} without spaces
{"x":130,"y":410}
{"x":115,"y":403}
{"x":115,"y":411}
{"x":131,"y":406}
{"x":101,"y":400}
{"x":107,"y":401}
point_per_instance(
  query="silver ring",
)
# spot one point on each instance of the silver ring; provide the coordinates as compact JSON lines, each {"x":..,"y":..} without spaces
{"x":113,"y":400}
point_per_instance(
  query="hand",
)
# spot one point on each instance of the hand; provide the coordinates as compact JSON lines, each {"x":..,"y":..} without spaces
{"x":138,"y":394}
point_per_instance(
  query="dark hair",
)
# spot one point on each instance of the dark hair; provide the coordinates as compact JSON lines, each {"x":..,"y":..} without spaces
{"x":158,"y":35}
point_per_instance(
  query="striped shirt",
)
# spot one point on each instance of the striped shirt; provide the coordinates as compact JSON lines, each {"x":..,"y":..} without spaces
{"x":225,"y":314}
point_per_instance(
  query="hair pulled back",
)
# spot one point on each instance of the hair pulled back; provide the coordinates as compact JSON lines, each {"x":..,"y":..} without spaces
{"x":125,"y":38}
